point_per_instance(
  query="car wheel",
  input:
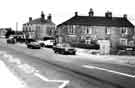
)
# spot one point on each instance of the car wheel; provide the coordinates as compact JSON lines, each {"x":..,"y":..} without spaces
{"x":29,"y":47}
{"x":55,"y":51}
{"x":62,"y":52}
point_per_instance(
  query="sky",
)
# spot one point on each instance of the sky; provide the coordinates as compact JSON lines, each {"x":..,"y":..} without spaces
{"x":19,"y":11}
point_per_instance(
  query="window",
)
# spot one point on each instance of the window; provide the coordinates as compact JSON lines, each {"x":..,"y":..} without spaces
{"x":82,"y":37}
{"x":71,"y":29}
{"x":38,"y":28}
{"x":74,"y":26}
{"x":88,"y":41}
{"x":131,"y":43}
{"x":30,"y":29}
{"x":84,"y":30}
{"x":26,"y":29}
{"x":123,"y":41}
{"x":89,"y":30}
{"x":68,"y":28}
{"x":108,"y":30}
{"x":124,"y":30}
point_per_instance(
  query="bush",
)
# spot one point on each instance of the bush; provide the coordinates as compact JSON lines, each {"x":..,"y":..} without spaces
{"x":126,"y":50}
{"x":132,"y":48}
{"x":85,"y":46}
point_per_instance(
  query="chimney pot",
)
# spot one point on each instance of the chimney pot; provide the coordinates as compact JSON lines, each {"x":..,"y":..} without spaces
{"x":42,"y":15}
{"x":91,"y":12}
{"x":49,"y":17}
{"x":108,"y":14}
{"x":76,"y":13}
{"x":125,"y":16}
{"x":30,"y":19}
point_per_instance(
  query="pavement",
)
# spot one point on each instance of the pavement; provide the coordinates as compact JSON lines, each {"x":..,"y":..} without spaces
{"x":116,"y":59}
{"x":8,"y":79}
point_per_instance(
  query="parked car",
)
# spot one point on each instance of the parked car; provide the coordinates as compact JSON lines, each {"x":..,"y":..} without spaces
{"x":48,"y":38}
{"x":20,"y":40}
{"x":64,"y":49}
{"x":49,"y":43}
{"x":46,"y":43}
{"x":41,"y":42}
{"x":33,"y":45}
{"x":11,"y":41}
{"x":29,"y":40}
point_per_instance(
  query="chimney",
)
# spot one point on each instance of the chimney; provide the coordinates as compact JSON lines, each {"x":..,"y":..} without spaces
{"x":42,"y":15}
{"x":125,"y":16}
{"x":108,"y":14}
{"x":76,"y":13}
{"x":91,"y":12}
{"x":49,"y":18}
{"x":30,"y":19}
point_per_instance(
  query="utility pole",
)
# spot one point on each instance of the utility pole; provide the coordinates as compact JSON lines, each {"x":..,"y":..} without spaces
{"x":16,"y":27}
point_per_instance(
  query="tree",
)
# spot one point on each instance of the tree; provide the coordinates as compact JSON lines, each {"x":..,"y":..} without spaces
{"x":9,"y":32}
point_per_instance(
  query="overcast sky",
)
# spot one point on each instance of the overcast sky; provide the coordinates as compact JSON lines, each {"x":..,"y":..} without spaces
{"x":13,"y":11}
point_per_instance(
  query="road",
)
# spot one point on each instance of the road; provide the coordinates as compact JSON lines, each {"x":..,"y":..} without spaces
{"x":80,"y":71}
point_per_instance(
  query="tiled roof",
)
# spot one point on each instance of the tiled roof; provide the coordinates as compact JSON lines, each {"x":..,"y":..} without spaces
{"x":98,"y":21}
{"x":39,"y":21}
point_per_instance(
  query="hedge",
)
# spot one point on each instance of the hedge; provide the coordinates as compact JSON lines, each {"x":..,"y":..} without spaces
{"x":85,"y":46}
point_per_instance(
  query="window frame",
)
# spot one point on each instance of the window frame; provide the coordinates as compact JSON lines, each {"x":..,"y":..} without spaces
{"x":89,"y":30}
{"x":124,"y":39}
{"x":108,"y":30}
{"x":124,"y":30}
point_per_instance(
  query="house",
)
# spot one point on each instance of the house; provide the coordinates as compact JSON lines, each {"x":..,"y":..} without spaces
{"x":86,"y":29}
{"x":39,"y":28}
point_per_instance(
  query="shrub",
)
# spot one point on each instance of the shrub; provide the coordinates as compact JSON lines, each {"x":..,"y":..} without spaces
{"x":85,"y":46}
{"x":126,"y":48}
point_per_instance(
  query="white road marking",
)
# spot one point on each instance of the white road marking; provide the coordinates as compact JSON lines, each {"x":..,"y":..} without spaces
{"x":31,"y":70}
{"x":27,"y":68}
{"x":107,"y":70}
{"x":65,"y":82}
